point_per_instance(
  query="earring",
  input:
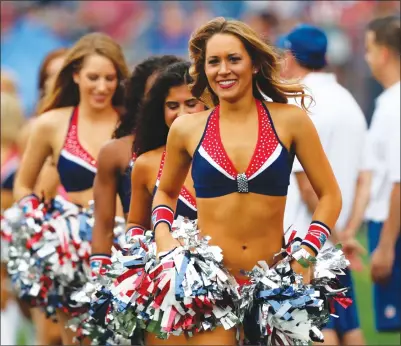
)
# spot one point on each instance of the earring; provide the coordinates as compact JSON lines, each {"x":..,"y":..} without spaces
{"x":255,"y":71}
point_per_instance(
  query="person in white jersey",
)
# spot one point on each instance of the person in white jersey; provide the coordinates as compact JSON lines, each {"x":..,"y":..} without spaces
{"x":342,"y":129}
{"x":378,"y":194}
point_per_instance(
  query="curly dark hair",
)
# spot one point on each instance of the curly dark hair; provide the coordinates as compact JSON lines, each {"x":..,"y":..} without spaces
{"x":152,"y":131}
{"x":135,"y":90}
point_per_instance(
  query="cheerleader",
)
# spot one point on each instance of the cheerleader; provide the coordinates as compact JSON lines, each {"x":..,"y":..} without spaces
{"x":85,"y":99}
{"x":241,"y":153}
{"x":115,"y":160}
{"x":48,"y":183}
{"x":12,"y":118}
{"x":168,"y":99}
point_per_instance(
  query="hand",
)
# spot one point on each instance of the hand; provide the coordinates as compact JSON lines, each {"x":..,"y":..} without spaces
{"x":353,"y":250}
{"x":165,"y":244}
{"x":347,"y":233}
{"x":382,"y":264}
{"x":299,"y":269}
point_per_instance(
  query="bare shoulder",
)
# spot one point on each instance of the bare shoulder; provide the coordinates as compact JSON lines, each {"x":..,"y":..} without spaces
{"x":53,"y":119}
{"x":116,"y":146}
{"x":188,"y":123}
{"x":116,"y":153}
{"x":287,"y":114}
{"x":149,"y":162}
{"x":188,"y":129}
{"x":24,"y":134}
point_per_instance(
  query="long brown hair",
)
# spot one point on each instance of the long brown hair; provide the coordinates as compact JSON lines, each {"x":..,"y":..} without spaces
{"x":263,"y":55}
{"x":43,"y":76}
{"x":64,"y":92}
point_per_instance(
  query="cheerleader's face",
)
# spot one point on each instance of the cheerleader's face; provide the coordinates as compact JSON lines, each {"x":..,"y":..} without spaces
{"x":228,"y":67}
{"x":97,"y":81}
{"x":180,"y":101}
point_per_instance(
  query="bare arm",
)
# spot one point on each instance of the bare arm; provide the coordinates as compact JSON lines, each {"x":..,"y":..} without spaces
{"x":318,"y":170}
{"x":360,"y":203}
{"x":37,"y":150}
{"x":175,"y":171}
{"x":23,"y":136}
{"x":104,"y":191}
{"x":391,"y":228}
{"x":141,"y":200}
{"x":309,"y":197}
{"x":383,"y":257}
{"x":48,"y":180}
{"x":308,"y":194}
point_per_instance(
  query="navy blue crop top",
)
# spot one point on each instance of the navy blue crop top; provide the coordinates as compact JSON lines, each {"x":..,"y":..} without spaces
{"x":268,"y":172}
{"x":76,"y":167}
{"x":186,"y":204}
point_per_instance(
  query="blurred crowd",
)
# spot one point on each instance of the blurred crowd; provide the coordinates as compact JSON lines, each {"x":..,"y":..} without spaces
{"x":30,"y":29}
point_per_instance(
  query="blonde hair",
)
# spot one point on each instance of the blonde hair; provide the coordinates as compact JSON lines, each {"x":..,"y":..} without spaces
{"x":264,"y":57}
{"x":63,"y":90}
{"x":12,"y":117}
{"x":8,"y":82}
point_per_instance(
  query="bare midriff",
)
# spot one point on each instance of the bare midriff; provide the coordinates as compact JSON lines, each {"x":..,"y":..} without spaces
{"x":247,"y":227}
{"x":83,"y":198}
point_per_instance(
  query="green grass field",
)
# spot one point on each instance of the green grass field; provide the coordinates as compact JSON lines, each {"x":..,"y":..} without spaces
{"x":364,"y":297}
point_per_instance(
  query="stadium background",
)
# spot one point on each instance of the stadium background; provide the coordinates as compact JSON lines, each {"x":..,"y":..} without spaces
{"x":30,"y":29}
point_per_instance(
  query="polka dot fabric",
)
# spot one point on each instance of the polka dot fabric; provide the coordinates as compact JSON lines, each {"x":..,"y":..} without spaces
{"x":266,"y":144}
{"x":213,"y":145}
{"x":72,"y":144}
{"x":187,"y":196}
{"x":159,"y":174}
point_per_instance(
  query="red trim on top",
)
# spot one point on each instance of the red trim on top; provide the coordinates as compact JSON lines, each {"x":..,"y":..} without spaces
{"x":266,"y":143}
{"x":159,"y":174}
{"x":184,"y":191}
{"x":213,"y":146}
{"x":188,"y":196}
{"x":72,"y":143}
